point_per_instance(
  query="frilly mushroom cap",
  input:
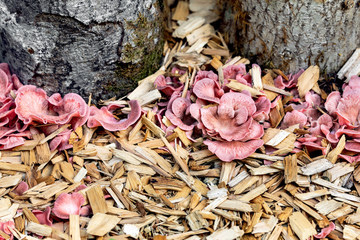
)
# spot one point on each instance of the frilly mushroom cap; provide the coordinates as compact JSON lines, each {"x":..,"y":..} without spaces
{"x":325,"y":231}
{"x":178,"y":112}
{"x":33,"y":105}
{"x":167,"y":85}
{"x":292,"y":118}
{"x":6,"y":227}
{"x":43,"y":216}
{"x":67,"y":204}
{"x":61,"y":141}
{"x":228,"y":151}
{"x":104,"y":117}
{"x":21,"y":188}
{"x":208,"y":89}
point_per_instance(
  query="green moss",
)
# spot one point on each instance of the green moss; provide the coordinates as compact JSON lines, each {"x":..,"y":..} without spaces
{"x":139,"y":59}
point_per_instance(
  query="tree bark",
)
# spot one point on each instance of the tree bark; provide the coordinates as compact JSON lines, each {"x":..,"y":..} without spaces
{"x":87,"y":47}
{"x":293,"y":34}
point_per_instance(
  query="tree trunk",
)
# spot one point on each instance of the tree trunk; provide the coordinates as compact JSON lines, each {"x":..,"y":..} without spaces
{"x":87,"y":47}
{"x":293,"y":34}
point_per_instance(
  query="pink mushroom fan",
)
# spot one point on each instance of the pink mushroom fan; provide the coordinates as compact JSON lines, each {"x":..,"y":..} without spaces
{"x":230,"y":120}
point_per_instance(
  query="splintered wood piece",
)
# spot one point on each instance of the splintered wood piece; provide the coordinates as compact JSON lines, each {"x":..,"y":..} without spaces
{"x":237,"y":86}
{"x":236,"y":180}
{"x":80,"y":175}
{"x":307,"y":80}
{"x":277,"y":139}
{"x":10,"y":181}
{"x":266,"y":225}
{"x":205,"y":31}
{"x":188,"y":26}
{"x":351,"y":67}
{"x":149,"y":97}
{"x":164,"y":211}
{"x":39,"y":229}
{"x":54,"y":134}
{"x":246,"y":183}
{"x":317,"y":166}
{"x":28,"y":157}
{"x":101,"y":223}
{"x":344,"y":196}
{"x":176,"y":156}
{"x":226,"y":234}
{"x":291,"y":169}
{"x":181,"y":11}
{"x":52,"y":190}
{"x":343,"y":211}
{"x":14,"y":167}
{"x":227,"y":169}
{"x":182,"y":136}
{"x":276,"y":90}
{"x":30,"y":216}
{"x":328,"y":184}
{"x":193,"y":183}
{"x":301,"y":226}
{"x":254,"y":193}
{"x":235,"y":205}
{"x":256,"y":77}
{"x":27,"y":146}
{"x":146,"y":85}
{"x":307,"y":209}
{"x":42,"y":150}
{"x":185,"y":235}
{"x":351,"y":232}
{"x":340,"y":169}
{"x":333,"y":155}
{"x":74,"y":225}
{"x":312,"y":194}
{"x":97,"y":199}
{"x":196,"y":221}
{"x":326,"y":207}
{"x":226,"y":214}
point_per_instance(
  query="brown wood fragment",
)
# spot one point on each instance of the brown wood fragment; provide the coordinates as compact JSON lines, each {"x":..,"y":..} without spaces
{"x":290,"y":171}
{"x":97,"y":199}
{"x":307,"y":80}
{"x":101,"y":223}
{"x":301,"y":226}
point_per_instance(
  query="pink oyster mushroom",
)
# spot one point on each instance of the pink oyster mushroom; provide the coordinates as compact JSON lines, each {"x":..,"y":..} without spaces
{"x":178,"y":112}
{"x":67,"y":204}
{"x":325,"y":231}
{"x":206,"y":87}
{"x":237,"y":72}
{"x":11,"y":129}
{"x":43,"y":216}
{"x":347,"y":107}
{"x":21,"y":188}
{"x":33,"y":105}
{"x":232,"y":123}
{"x":104,"y":117}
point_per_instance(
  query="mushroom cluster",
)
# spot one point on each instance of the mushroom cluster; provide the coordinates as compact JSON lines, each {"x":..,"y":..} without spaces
{"x":230,"y":121}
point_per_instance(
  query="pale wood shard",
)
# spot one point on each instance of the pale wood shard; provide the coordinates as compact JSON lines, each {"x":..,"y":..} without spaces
{"x":254,"y":193}
{"x":246,"y":183}
{"x":312,"y":194}
{"x":97,"y":199}
{"x":181,"y":11}
{"x":345,"y":196}
{"x":266,"y":225}
{"x":307,"y":80}
{"x":351,"y":67}
{"x":101,"y":223}
{"x":278,"y":138}
{"x":343,"y":211}
{"x":301,"y":226}
{"x":42,"y":150}
{"x":74,"y":224}
{"x":39,"y":229}
{"x":205,"y":31}
{"x":317,"y":166}
{"x":351,"y":232}
{"x":236,"y":205}
{"x":226,"y":214}
{"x":326,"y":207}
{"x":330,"y":185}
{"x":14,"y":167}
{"x":149,"y":97}
{"x":307,"y":209}
{"x":256,"y":77}
{"x":276,"y":90}
{"x":333,"y":155}
{"x":237,"y":86}
{"x":262,"y":170}
{"x":10,"y":181}
{"x":52,"y":190}
{"x":340,"y":169}
{"x":226,"y":234}
{"x":176,"y":156}
{"x":164,"y":211}
{"x":196,"y":221}
{"x":236,"y":180}
{"x":291,"y":169}
{"x":146,"y":85}
{"x":54,"y":134}
{"x":188,"y":26}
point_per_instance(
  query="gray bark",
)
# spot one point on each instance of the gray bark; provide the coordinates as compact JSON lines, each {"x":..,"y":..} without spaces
{"x":80,"y":46}
{"x":293,"y":34}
